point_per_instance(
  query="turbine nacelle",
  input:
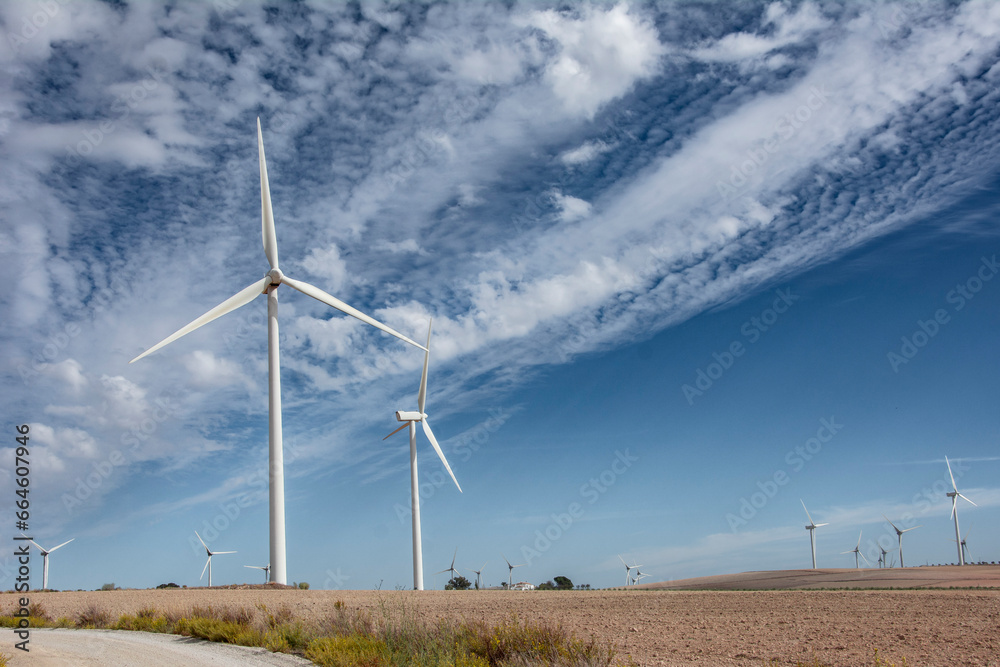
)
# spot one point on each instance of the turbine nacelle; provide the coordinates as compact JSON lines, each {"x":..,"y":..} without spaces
{"x":405,"y":416}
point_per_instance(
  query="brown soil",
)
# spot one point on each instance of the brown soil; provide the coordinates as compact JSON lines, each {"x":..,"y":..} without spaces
{"x":657,"y":627}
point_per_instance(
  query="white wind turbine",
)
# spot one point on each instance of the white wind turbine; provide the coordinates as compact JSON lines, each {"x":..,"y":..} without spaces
{"x":269,"y":285}
{"x":955,"y":495}
{"x":628,"y":569}
{"x":266,"y":568}
{"x":857,"y":552}
{"x":899,"y":534}
{"x":450,"y":569}
{"x":881,"y":559}
{"x":964,"y":546}
{"x":208,"y":563}
{"x":812,"y":531}
{"x":410,"y":419}
{"x":510,"y":571}
{"x":639,"y":575}
{"x":479,"y":576}
{"x":45,"y":561}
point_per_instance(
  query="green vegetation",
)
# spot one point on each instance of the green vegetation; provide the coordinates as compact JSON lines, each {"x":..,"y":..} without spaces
{"x":391,"y":635}
{"x":458,"y":583}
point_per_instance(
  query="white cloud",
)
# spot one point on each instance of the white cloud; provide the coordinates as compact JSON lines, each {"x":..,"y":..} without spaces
{"x":326,"y":263}
{"x":585,"y":152}
{"x":571,"y":208}
{"x":207,"y":371}
{"x":744,"y":47}
{"x":602,"y":54}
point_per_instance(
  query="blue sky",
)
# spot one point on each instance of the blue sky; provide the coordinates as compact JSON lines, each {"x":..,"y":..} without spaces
{"x":688,"y":264}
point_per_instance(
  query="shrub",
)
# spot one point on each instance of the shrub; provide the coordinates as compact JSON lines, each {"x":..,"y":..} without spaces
{"x":93,"y":617}
{"x":304,"y":585}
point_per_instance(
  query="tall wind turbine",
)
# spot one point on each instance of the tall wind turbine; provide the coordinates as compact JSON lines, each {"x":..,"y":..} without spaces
{"x":208,"y":563}
{"x":812,"y":531}
{"x":955,"y":495}
{"x":479,"y":576}
{"x":452,"y":568}
{"x":628,"y":569}
{"x":899,"y":534}
{"x":266,"y":568}
{"x":45,"y":561}
{"x":857,"y":552}
{"x":510,"y":571}
{"x":639,"y":575}
{"x":410,"y":419}
{"x":881,"y":559}
{"x":269,"y":285}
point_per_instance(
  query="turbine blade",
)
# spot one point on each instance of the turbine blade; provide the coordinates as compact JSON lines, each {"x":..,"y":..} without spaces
{"x":890,"y":523}
{"x":329,"y":300}
{"x":36,"y":544}
{"x":622,"y":560}
{"x":863,"y":558}
{"x":216,"y":553}
{"x":949,"y":474}
{"x":817,"y":525}
{"x":205,"y":568}
{"x":61,"y":545}
{"x":437,"y":448}
{"x":241,"y":298}
{"x":914,"y":528}
{"x":266,"y":214}
{"x":201,"y":540}
{"x":505,"y":560}
{"x":964,"y":498}
{"x":422,"y":392}
{"x":405,"y":424}
{"x":807,"y":512}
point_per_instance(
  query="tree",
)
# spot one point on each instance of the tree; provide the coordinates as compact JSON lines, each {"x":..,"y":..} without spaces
{"x":458,"y":583}
{"x":304,"y":585}
{"x":547,"y":586}
{"x":563,"y":583}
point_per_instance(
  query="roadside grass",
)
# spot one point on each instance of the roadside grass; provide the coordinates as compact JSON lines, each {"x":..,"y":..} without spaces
{"x":391,"y":635}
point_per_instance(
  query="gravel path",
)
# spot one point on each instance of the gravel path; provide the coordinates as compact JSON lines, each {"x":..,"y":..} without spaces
{"x":56,"y":647}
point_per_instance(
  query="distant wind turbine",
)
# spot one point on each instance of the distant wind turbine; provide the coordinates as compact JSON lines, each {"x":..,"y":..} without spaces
{"x":628,"y":569}
{"x":899,"y":535}
{"x":479,"y":575}
{"x":452,"y":568}
{"x":45,"y":561}
{"x":510,"y":571}
{"x":269,"y":285}
{"x":266,"y":568}
{"x":881,"y":558}
{"x":857,"y":552}
{"x":639,"y":575}
{"x":955,"y":495}
{"x":812,"y":531}
{"x":965,"y":548}
{"x":208,"y":563}
{"x":410,"y":419}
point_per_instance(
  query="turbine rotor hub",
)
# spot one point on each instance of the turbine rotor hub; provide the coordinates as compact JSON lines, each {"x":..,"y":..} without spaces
{"x":276,"y":276}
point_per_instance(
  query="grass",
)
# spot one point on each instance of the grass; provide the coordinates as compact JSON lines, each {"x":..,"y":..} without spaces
{"x":391,"y":635}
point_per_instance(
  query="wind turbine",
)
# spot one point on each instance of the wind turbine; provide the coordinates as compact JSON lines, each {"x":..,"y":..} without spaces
{"x":881,"y":559}
{"x":955,"y":495}
{"x":208,"y":563}
{"x":410,"y":419}
{"x":45,"y":560}
{"x":638,"y":576}
{"x":266,"y":568}
{"x":452,"y":568}
{"x":510,"y":571}
{"x":899,"y":534}
{"x":812,"y":531}
{"x":628,"y":569}
{"x":965,"y":548}
{"x":857,"y":552}
{"x":269,"y":285}
{"x":479,"y":575}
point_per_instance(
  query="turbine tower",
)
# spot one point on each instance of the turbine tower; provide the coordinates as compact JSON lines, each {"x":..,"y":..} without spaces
{"x":410,"y":419}
{"x":208,"y":563}
{"x":266,"y":568}
{"x":510,"y":571}
{"x":955,"y":495}
{"x":812,"y":531}
{"x":857,"y":552}
{"x":45,"y":560}
{"x":452,"y":568}
{"x":269,"y":285}
{"x":965,"y":548}
{"x":899,"y":534}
